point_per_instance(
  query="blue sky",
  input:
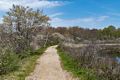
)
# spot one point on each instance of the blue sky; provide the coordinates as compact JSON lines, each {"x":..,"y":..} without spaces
{"x":83,"y":13}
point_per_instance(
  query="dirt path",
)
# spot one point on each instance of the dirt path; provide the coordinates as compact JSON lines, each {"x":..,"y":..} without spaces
{"x":48,"y":67}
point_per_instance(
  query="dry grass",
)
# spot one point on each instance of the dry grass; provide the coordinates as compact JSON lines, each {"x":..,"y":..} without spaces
{"x":89,"y":57}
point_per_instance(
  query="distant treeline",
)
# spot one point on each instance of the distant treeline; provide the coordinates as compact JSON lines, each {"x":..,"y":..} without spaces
{"x":78,"y":33}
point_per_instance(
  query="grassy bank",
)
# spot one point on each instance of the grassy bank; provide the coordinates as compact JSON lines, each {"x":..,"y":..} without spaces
{"x":71,"y":65}
{"x":26,"y":66}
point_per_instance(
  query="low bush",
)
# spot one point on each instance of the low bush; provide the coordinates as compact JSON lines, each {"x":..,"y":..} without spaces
{"x":70,"y":64}
{"x":90,"y":57}
{"x":26,"y":66}
{"x":8,"y":61}
{"x":39,"y":51}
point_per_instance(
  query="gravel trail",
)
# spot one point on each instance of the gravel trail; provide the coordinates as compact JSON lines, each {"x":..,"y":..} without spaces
{"x":48,"y":67}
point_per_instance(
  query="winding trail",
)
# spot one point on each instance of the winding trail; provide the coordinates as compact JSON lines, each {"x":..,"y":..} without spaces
{"x":48,"y":67}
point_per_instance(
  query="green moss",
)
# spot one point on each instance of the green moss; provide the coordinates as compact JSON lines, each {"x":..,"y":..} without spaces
{"x":71,"y":65}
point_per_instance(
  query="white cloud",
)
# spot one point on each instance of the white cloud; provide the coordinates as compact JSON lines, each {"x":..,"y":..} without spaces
{"x":92,"y":21}
{"x":1,"y":20}
{"x":55,"y":14}
{"x":6,"y":4}
{"x":102,"y":18}
{"x":114,"y":14}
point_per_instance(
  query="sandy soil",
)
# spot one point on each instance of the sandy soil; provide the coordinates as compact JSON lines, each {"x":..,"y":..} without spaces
{"x":48,"y":67}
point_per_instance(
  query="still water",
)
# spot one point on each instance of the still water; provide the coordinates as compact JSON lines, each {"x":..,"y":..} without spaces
{"x":118,"y":59}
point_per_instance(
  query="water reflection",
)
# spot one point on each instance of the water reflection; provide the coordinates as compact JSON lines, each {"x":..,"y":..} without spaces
{"x":118,"y":59}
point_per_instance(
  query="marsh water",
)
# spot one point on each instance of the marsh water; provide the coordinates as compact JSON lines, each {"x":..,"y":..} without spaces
{"x":112,"y":52}
{"x":118,"y":59}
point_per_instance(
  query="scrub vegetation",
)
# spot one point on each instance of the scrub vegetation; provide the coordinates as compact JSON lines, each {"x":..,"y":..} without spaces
{"x":25,"y":34}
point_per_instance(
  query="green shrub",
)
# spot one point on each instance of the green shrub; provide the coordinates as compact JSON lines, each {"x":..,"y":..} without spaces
{"x":24,"y":54}
{"x":39,"y":51}
{"x":8,"y":61}
{"x":26,"y":66}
